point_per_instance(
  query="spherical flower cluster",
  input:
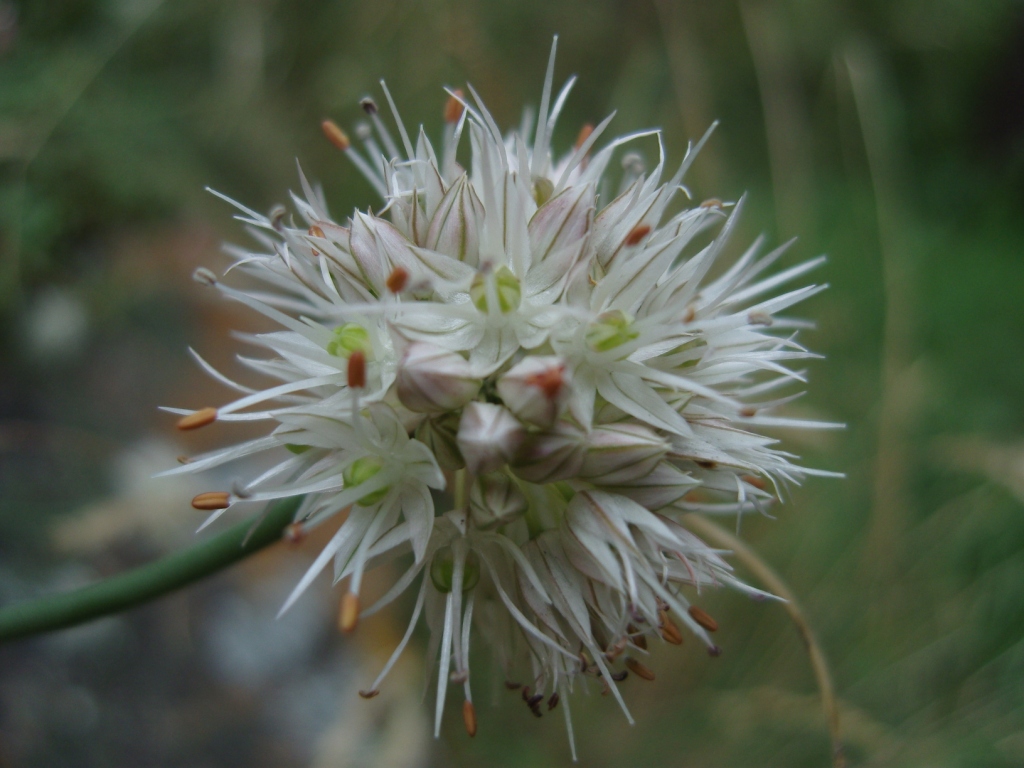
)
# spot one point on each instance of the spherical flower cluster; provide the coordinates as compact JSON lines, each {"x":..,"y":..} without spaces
{"x":551,"y":352}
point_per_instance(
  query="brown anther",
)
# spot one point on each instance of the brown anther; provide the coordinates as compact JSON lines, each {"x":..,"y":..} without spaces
{"x":513,"y":686}
{"x":704,"y":464}
{"x":534,"y":700}
{"x":349,"y":616}
{"x":397,"y":280}
{"x":526,"y":693}
{"x":702,"y":618}
{"x":357,"y":369}
{"x":335,"y":135}
{"x":583,"y":135}
{"x":748,"y":412}
{"x":549,"y":382}
{"x":689,"y":315}
{"x":758,"y":482}
{"x":714,"y":651}
{"x":536,"y":712}
{"x":759,"y":318}
{"x":294,"y":533}
{"x":369,"y":105}
{"x":212,"y":500}
{"x":315,"y":231}
{"x":200,"y":418}
{"x":637,"y":233}
{"x":184,"y":460}
{"x":469,"y":717}
{"x":369,"y":694}
{"x":713,"y":202}
{"x":619,"y":676}
{"x":453,"y":107}
{"x":669,"y":631}
{"x":617,"y":649}
{"x":639,"y":640}
{"x":553,"y":701}
{"x":638,"y":669}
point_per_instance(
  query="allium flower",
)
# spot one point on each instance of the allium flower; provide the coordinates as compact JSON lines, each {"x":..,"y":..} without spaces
{"x":548,"y":349}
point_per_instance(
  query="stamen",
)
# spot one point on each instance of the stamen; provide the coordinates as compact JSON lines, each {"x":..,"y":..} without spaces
{"x":638,"y":669}
{"x":198,"y":419}
{"x":349,"y":616}
{"x":689,"y":315}
{"x":637,"y":233}
{"x":759,"y":318}
{"x":748,"y":412}
{"x":397,"y":280}
{"x":204,"y":276}
{"x":184,"y":460}
{"x":212,"y":500}
{"x":369,"y":105}
{"x":335,"y":135}
{"x":553,"y":701}
{"x":618,"y":677}
{"x":714,"y":651}
{"x":669,"y":631}
{"x":702,"y":618}
{"x":369,"y":694}
{"x":453,"y":108}
{"x":469,"y":717}
{"x":583,"y":135}
{"x":513,"y":686}
{"x":277,"y":214}
{"x":357,"y":369}
{"x":713,"y":202}
{"x":315,"y":231}
{"x":294,"y":533}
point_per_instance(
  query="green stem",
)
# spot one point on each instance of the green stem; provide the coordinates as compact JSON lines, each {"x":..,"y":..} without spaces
{"x":146,"y":582}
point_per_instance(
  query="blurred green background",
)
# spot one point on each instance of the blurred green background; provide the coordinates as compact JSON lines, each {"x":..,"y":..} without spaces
{"x":888,"y":134}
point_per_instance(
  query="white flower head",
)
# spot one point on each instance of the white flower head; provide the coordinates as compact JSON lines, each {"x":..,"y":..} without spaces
{"x":547,"y":348}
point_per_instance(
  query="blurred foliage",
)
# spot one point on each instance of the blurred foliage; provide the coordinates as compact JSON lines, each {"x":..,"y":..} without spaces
{"x":114,"y":115}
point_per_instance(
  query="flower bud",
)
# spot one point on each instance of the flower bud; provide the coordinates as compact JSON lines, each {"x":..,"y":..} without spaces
{"x":434,"y":380}
{"x":494,"y":500}
{"x":663,"y":485}
{"x":489,"y":437}
{"x":536,"y":390}
{"x":622,"y":453}
{"x":438,"y":434}
{"x":548,"y":457}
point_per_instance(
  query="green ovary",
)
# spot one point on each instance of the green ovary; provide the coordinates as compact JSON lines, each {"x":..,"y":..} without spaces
{"x":347,"y":339}
{"x":610,"y":330}
{"x":506,"y":285}
{"x":442,"y":570}
{"x":358,"y":472}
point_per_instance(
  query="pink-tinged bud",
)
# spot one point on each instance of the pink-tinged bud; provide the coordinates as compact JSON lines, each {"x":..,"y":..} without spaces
{"x":495,"y":500}
{"x":536,"y":390}
{"x":489,"y":437}
{"x":622,"y":453}
{"x":548,"y":457}
{"x":454,"y":229}
{"x":434,"y":380}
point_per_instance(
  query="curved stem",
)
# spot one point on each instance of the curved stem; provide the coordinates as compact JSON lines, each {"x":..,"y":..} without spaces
{"x":147,"y":582}
{"x":753,"y":562}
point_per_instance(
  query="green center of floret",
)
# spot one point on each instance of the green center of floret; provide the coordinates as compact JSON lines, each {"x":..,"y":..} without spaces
{"x":506,"y":286}
{"x":349,"y":338}
{"x":442,"y":570}
{"x":610,"y":330}
{"x":358,"y":472}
